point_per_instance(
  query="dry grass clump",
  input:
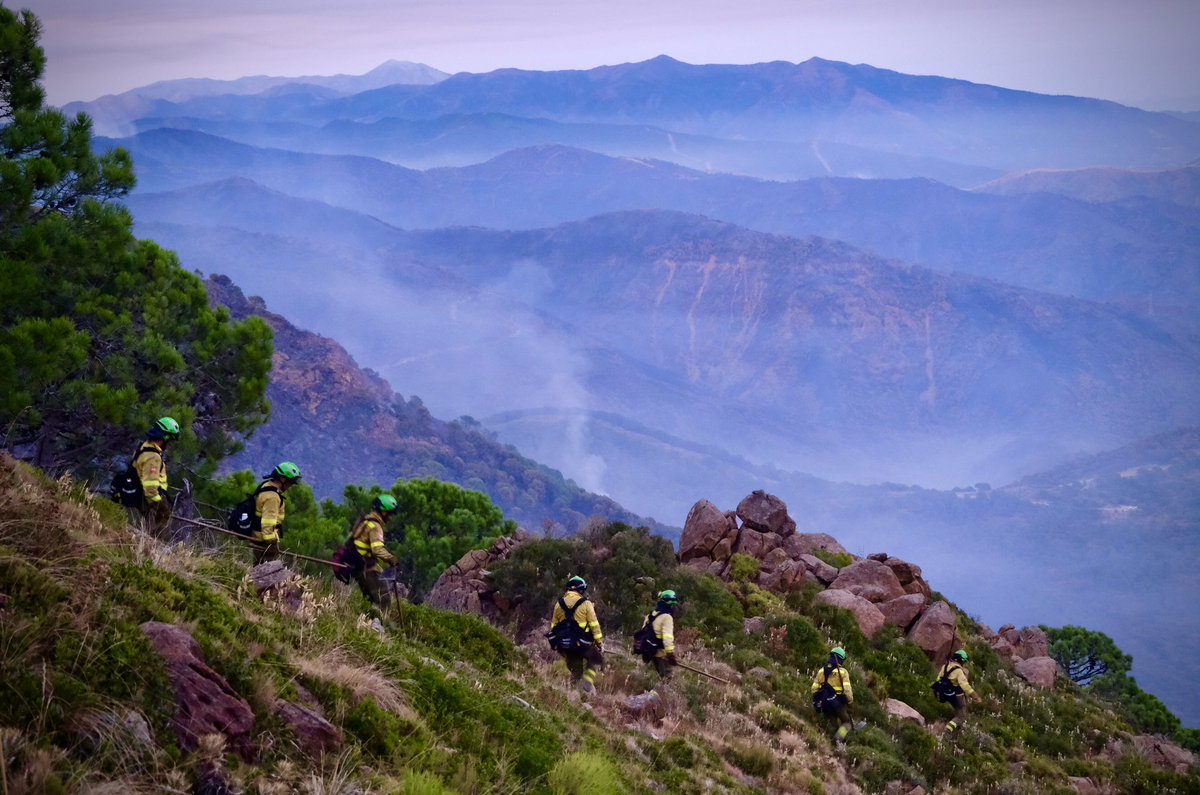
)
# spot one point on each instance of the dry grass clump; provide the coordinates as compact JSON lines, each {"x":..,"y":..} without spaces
{"x":363,"y":679}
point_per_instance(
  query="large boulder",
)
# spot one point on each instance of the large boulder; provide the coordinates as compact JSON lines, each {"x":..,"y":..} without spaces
{"x":903,"y":610}
{"x":869,"y":619}
{"x":808,"y":543}
{"x":204,"y":701}
{"x":1038,"y":671}
{"x":1163,"y":753}
{"x":909,"y":575}
{"x":934,"y":632}
{"x":870,"y":579}
{"x":789,"y":576}
{"x":706,"y":527}
{"x":900,"y":710}
{"x":766,"y":513}
{"x":464,"y":587}
{"x":754,"y":543}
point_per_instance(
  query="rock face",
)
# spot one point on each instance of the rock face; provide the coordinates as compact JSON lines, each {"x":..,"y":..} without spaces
{"x":903,"y":610}
{"x":934,"y":631}
{"x":909,"y":575}
{"x":1038,"y":671}
{"x":204,"y":701}
{"x":870,"y":579}
{"x":1027,"y":643}
{"x":463,"y":588}
{"x":706,"y":527}
{"x":1164,"y":754}
{"x":808,"y":543}
{"x":869,"y":619}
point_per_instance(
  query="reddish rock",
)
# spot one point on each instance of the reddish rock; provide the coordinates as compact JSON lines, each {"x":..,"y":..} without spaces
{"x":1003,"y":647}
{"x":755,"y":625}
{"x":934,"y":631}
{"x":1038,"y":671}
{"x":723,"y":551}
{"x":314,"y":735}
{"x":821,"y":571}
{"x":869,"y":619}
{"x":879,"y":556}
{"x":1163,"y":753}
{"x":1032,"y":642}
{"x":766,"y":513}
{"x":788,"y":577}
{"x":903,"y":610}
{"x":808,"y":543}
{"x":204,"y":701}
{"x":898,"y":709}
{"x":775,"y":558}
{"x":463,"y":588}
{"x":705,"y":527}
{"x":755,"y":544}
{"x":869,"y":579}
{"x":1010,"y":634}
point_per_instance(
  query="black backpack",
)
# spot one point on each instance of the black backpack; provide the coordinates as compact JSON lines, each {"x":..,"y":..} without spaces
{"x":244,"y":519}
{"x":826,"y":698}
{"x":127,"y":487}
{"x":567,"y":636}
{"x":645,"y":642}
{"x":350,"y":558}
{"x":943,"y":688}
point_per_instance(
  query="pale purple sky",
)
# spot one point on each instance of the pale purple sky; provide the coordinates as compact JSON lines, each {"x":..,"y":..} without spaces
{"x":1140,"y":52}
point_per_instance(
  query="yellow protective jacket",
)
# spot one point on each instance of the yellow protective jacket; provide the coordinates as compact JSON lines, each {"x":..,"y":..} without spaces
{"x":958,"y":677}
{"x":839,"y":680}
{"x":151,"y":470}
{"x":585,"y":615}
{"x":368,"y":540}
{"x":269,"y":508}
{"x":664,"y":630}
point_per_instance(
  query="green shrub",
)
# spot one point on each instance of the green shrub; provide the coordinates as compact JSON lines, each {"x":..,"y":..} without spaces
{"x":743,"y":568}
{"x":774,"y":718}
{"x":678,"y":751}
{"x":415,"y":783}
{"x":585,"y":773}
{"x":839,"y":560}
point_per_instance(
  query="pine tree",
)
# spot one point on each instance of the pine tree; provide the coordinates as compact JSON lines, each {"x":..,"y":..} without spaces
{"x":100,"y":332}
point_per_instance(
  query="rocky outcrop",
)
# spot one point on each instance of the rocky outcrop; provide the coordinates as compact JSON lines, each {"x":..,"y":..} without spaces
{"x":1038,"y":671}
{"x":909,"y":575}
{"x":934,"y":631}
{"x":903,"y":610}
{"x":1164,"y":753}
{"x":766,"y":513}
{"x":708,"y":533}
{"x":1027,"y":643}
{"x":204,"y":702}
{"x":808,"y":543}
{"x":869,"y":619}
{"x":464,"y":587}
{"x":870,"y":579}
{"x":822,"y":571}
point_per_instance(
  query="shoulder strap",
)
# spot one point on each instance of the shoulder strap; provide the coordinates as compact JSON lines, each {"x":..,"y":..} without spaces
{"x":570,"y":611}
{"x":268,"y":486}
{"x":143,"y":448}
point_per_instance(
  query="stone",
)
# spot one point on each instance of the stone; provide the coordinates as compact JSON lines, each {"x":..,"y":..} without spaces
{"x":808,"y":543}
{"x":645,"y":705}
{"x":900,"y":710}
{"x":1032,"y":642}
{"x":204,"y":701}
{"x":705,"y":527}
{"x":269,"y":575}
{"x":723,"y":551}
{"x":775,"y":558}
{"x":879,"y":556}
{"x":755,"y":625}
{"x":903,"y":610}
{"x":934,"y":631}
{"x":464,"y":586}
{"x":754,"y":543}
{"x":1038,"y":671}
{"x":871,"y":580}
{"x":1083,"y":786}
{"x":315,"y":736}
{"x":821,"y":571}
{"x":766,"y":513}
{"x":1010,"y":634}
{"x":1003,"y":647}
{"x":791,"y":576}
{"x":1164,"y":753}
{"x":869,"y":619}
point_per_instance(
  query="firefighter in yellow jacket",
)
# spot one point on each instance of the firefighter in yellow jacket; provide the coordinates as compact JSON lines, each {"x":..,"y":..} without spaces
{"x":368,"y":541}
{"x":962,"y":690}
{"x":832,"y":693}
{"x":269,"y":510}
{"x":575,"y":634}
{"x":150,"y":467}
{"x":662,"y":621}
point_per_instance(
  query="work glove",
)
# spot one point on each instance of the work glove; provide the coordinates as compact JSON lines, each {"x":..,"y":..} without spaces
{"x":671,"y":658}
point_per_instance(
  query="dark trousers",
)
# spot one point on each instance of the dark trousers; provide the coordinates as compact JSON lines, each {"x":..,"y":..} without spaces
{"x":662,"y":667}
{"x":371,"y":585}
{"x":960,"y":712}
{"x":583,"y":666}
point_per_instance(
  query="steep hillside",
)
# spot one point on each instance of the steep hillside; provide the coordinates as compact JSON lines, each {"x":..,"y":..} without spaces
{"x":344,"y":425}
{"x":1175,"y":186}
{"x":129,"y":665}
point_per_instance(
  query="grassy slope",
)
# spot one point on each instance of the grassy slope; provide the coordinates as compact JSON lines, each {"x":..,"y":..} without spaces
{"x":436,"y":704}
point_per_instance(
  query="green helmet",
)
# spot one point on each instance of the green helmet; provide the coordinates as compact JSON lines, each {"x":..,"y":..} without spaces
{"x":165,"y":428}
{"x":385,"y":503}
{"x":576,"y":583}
{"x":960,"y":655}
{"x":839,"y":652}
{"x":286,"y":470}
{"x":668,"y":597}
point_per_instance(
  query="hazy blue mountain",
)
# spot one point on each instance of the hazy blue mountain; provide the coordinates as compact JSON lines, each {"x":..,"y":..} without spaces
{"x":1138,"y":248}
{"x":1176,"y":186}
{"x":947,"y":121}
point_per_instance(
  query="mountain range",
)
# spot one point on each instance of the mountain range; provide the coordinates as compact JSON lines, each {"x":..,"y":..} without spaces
{"x":669,"y":281}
